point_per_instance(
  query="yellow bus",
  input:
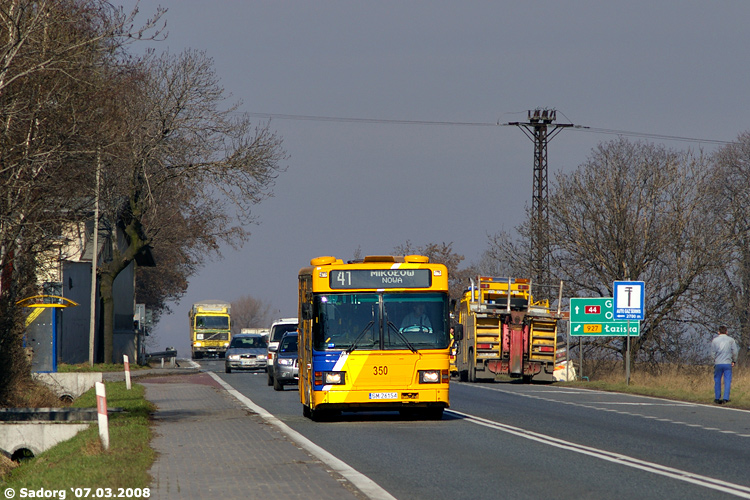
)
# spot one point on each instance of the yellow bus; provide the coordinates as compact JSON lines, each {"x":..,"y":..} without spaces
{"x":374,"y":335}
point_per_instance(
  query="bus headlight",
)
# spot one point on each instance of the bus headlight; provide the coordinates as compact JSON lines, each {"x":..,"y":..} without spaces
{"x":429,"y":376}
{"x":330,"y":378}
{"x":198,"y":344}
{"x":333,"y":378}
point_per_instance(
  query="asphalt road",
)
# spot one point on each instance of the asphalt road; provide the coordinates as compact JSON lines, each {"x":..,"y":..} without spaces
{"x":507,"y":440}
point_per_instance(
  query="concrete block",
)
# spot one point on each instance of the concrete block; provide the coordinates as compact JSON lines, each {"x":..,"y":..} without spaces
{"x":69,"y":385}
{"x":36,"y":437}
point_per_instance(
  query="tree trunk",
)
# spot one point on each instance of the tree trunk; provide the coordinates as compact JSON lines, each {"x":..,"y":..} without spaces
{"x":106,"y":289}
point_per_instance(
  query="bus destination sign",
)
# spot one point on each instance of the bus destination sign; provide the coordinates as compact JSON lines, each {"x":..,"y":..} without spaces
{"x":381,"y":278}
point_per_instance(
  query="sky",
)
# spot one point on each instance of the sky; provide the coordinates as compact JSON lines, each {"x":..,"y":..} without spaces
{"x":401,"y":110}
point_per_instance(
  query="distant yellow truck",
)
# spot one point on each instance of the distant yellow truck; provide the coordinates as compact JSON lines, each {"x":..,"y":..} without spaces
{"x":502,"y":331}
{"x":210,"y":328}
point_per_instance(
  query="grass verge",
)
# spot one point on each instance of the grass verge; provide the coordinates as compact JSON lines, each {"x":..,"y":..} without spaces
{"x":694,"y":384}
{"x":82,"y":462}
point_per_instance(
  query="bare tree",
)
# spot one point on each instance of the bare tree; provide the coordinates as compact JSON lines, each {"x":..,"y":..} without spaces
{"x":53,"y":57}
{"x":636,"y":211}
{"x":249,"y":312}
{"x":729,"y":300}
{"x":441,"y":253}
{"x":49,"y":36}
{"x":632,"y":211}
{"x":182,"y":159}
{"x":506,"y":255}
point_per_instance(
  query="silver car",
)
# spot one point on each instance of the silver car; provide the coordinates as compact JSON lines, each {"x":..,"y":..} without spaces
{"x":278,"y":329}
{"x":247,"y":351}
{"x":285,"y":367}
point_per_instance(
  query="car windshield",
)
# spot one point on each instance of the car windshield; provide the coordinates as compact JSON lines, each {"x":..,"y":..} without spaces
{"x":288,"y":344}
{"x":380,"y":321}
{"x":278,"y":331}
{"x":249,"y":343}
{"x":212,"y":322}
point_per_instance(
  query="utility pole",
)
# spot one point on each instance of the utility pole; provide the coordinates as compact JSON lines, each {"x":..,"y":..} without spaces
{"x":540,"y":129}
{"x":94,"y":261}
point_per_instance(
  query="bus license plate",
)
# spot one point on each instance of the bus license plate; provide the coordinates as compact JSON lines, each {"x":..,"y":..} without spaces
{"x":383,"y":395}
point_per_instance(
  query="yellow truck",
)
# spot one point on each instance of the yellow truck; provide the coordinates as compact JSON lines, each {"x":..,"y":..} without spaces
{"x":210,"y":328}
{"x":502,"y":331}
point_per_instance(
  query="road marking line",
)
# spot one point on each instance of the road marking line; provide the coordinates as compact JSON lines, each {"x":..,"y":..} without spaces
{"x":594,"y":406}
{"x":366,"y":485}
{"x":688,"y":477}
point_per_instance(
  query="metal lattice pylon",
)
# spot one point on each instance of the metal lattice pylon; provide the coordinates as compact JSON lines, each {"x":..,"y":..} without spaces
{"x":540,"y":129}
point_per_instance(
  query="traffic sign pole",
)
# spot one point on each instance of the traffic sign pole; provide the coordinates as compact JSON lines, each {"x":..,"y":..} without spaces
{"x":627,"y":360}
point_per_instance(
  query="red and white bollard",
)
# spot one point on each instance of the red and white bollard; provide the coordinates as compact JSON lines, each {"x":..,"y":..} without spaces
{"x":127,"y":371}
{"x":101,"y":410}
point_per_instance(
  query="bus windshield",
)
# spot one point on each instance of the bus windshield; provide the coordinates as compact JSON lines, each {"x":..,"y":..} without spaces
{"x":380,"y":321}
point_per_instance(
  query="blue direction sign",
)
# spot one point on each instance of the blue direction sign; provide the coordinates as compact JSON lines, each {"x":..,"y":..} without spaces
{"x":595,"y":317}
{"x":628,"y":299}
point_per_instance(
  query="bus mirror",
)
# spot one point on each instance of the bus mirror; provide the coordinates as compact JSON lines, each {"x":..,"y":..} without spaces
{"x":458,"y":332}
{"x":306,"y":311}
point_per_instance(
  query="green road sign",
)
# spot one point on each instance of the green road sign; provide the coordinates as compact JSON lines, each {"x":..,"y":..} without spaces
{"x":595,"y":317}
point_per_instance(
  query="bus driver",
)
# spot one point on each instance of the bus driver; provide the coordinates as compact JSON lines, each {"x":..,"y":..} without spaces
{"x":417,"y":318}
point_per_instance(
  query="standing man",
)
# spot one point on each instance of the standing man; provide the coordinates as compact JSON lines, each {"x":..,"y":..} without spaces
{"x":725,"y":351}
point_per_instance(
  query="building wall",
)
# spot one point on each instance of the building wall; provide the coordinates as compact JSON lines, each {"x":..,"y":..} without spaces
{"x":73,"y":343}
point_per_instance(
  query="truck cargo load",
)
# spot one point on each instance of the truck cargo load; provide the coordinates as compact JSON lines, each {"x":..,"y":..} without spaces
{"x":502,"y":331}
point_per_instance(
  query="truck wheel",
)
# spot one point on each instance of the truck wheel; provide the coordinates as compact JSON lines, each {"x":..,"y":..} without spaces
{"x":472,"y":368}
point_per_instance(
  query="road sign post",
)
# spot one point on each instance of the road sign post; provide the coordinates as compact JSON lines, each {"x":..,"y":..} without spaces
{"x":595,"y":316}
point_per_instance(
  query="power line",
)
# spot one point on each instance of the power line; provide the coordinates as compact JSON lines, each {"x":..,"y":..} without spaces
{"x":367,"y":120}
{"x":581,"y":128}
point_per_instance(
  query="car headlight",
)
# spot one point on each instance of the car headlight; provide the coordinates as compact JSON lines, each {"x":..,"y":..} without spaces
{"x":234,"y":357}
{"x":429,"y":376}
{"x":286,"y":361}
{"x":198,"y":344}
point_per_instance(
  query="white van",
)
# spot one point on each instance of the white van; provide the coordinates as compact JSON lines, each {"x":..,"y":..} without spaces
{"x":278,"y":329}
